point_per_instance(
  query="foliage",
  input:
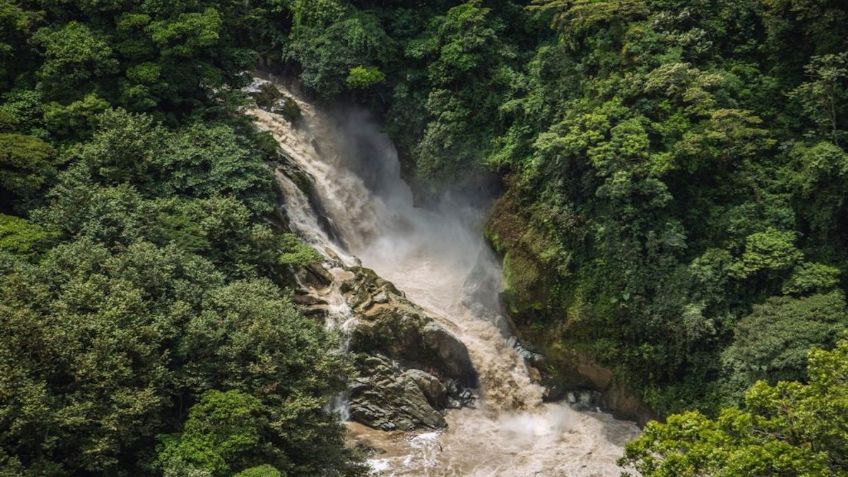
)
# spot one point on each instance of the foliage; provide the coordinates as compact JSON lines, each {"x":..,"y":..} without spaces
{"x":17,"y":24}
{"x":198,"y":160}
{"x":26,"y":164}
{"x":361,"y":77}
{"x":144,"y":295}
{"x":218,"y":431}
{"x":810,"y":278}
{"x":104,"y":347}
{"x":260,"y":471}
{"x":675,"y":171}
{"x":824,"y":96}
{"x":675,"y":177}
{"x":773,"y":341}
{"x":20,"y":237}
{"x":462,"y":47}
{"x":297,"y":252}
{"x":768,"y":250}
{"x":330,"y":46}
{"x":785,"y":429}
{"x":675,"y":192}
{"x":73,"y":56}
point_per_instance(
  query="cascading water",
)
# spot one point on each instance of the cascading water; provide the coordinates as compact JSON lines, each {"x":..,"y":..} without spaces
{"x":339,"y":316}
{"x":438,"y":258}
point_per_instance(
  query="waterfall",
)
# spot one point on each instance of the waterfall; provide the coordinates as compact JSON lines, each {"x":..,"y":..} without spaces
{"x":438,"y":258}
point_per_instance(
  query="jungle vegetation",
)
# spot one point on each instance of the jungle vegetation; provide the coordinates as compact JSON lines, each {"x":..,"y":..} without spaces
{"x":674,"y":207}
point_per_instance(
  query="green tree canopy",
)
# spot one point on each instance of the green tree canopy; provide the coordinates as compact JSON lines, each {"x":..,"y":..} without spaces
{"x":788,"y":428}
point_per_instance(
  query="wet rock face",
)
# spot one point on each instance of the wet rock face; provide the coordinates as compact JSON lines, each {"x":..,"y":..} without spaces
{"x":389,"y":398}
{"x":587,"y":385}
{"x":271,"y":99}
{"x":392,"y":326}
{"x":430,"y":386}
{"x":410,"y":368}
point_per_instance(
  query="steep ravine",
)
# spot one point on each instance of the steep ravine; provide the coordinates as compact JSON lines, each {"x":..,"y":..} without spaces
{"x":442,"y":390}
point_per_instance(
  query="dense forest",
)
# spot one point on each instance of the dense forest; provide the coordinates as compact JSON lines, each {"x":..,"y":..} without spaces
{"x":674,"y":207}
{"x":146,"y":314}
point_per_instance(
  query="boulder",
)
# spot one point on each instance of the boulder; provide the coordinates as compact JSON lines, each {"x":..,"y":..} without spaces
{"x":269,"y":98}
{"x":410,"y":367}
{"x":433,"y":389}
{"x":313,"y":275}
{"x":416,"y":341}
{"x":388,"y":398}
{"x":446,"y":352}
{"x":391,"y":325}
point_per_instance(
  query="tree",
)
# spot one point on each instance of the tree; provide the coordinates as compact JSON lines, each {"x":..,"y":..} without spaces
{"x":260,"y":471}
{"x":26,"y":165}
{"x":102,"y":350}
{"x":292,"y":371}
{"x":200,"y":160}
{"x":820,"y":182}
{"x":467,"y":65}
{"x":331,"y":47}
{"x":74,"y":55}
{"x":20,"y":237}
{"x":17,"y":24}
{"x":362,"y":77}
{"x":23,"y":112}
{"x":143,"y":197}
{"x":183,"y":35}
{"x":808,"y":278}
{"x":788,"y":428}
{"x":771,"y":250}
{"x":824,"y":96}
{"x":221,"y":433}
{"x":574,"y":18}
{"x":79,"y":117}
{"x":772,"y":342}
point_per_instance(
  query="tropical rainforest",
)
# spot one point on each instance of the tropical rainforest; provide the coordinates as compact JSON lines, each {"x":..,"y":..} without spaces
{"x":674,"y":206}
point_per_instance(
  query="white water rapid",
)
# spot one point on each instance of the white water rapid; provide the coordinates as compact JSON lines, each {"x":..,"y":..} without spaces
{"x":438,"y":257}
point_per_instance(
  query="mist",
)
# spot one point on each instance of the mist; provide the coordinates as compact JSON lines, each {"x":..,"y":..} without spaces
{"x":436,"y":253}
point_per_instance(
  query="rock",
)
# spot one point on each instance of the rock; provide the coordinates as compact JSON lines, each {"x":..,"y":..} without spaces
{"x":452,"y":354}
{"x":380,"y":297}
{"x":287,"y":108}
{"x":388,"y":398}
{"x":481,"y":292}
{"x":390,"y":325}
{"x":315,"y":311}
{"x":433,"y":389}
{"x":583,"y":400}
{"x":269,"y":98}
{"x":314,"y":275}
{"x":415,"y":341}
{"x":306,"y":299}
{"x":411,"y":368}
{"x":526,"y":354}
{"x":574,"y":373}
{"x":266,"y":95}
{"x":366,"y":288}
{"x":624,"y":404}
{"x":535,"y":375}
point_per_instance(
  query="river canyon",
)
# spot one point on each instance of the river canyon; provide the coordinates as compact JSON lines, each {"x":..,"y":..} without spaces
{"x":343,"y":194}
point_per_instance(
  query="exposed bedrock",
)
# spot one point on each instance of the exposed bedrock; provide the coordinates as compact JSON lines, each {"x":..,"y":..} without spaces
{"x":410,"y":368}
